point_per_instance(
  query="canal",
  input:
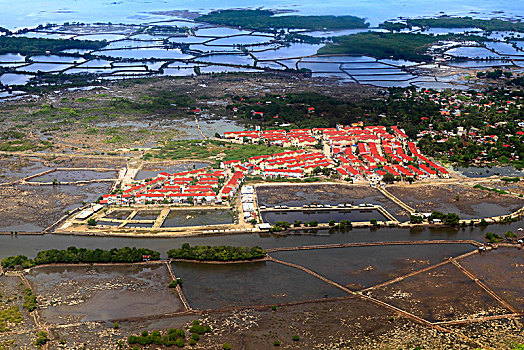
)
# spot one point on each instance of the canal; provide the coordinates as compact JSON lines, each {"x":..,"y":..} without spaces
{"x":30,"y":245}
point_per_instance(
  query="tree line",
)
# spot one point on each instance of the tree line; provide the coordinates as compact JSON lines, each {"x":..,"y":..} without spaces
{"x":264,"y":20}
{"x":34,"y":46}
{"x":216,"y":253}
{"x":74,"y":255}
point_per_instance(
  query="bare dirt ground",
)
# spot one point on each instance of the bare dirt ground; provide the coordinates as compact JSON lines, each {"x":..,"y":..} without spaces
{"x":463,"y":200}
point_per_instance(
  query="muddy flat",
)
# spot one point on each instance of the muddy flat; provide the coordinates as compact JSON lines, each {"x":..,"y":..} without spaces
{"x":502,"y":270}
{"x":88,"y":293}
{"x":466,"y":201}
{"x":441,"y":294}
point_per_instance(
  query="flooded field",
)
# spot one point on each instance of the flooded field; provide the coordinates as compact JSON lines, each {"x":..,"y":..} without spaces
{"x":362,"y":267}
{"x":89,"y":293}
{"x":299,"y":195}
{"x":118,"y":214}
{"x":502,"y":270}
{"x":146,"y":215}
{"x":76,"y":175}
{"x":466,"y":201}
{"x":16,"y":168}
{"x":441,"y":294}
{"x":183,"y":218}
{"x":323,"y":216}
{"x":215,"y":286}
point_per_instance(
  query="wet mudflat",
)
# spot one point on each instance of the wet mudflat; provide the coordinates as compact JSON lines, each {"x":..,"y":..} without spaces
{"x":326,"y":194}
{"x":350,"y":323}
{"x":33,"y":208}
{"x":362,"y":267}
{"x":16,"y":168}
{"x":440,"y":294}
{"x":76,"y":175}
{"x":213,"y":286}
{"x":13,"y":317}
{"x":467,"y":202}
{"x":118,"y":214}
{"x":184,"y":218}
{"x":502,"y":270}
{"x":87,"y":293}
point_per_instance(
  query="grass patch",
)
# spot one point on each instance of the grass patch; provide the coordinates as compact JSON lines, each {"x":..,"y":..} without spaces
{"x":9,"y":317}
{"x":192,"y":149}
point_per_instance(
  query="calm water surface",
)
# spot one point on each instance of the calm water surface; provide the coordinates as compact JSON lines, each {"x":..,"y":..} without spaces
{"x":31,"y":244}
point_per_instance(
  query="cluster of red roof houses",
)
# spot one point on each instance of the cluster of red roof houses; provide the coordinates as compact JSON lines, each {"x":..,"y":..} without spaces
{"x":356,"y":152}
{"x":359,"y":153}
{"x":200,"y":186}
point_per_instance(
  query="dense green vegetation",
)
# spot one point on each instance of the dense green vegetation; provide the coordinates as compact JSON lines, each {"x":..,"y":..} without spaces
{"x":293,"y":109}
{"x":73,"y":255}
{"x":193,"y":149}
{"x":18,"y":260}
{"x":41,"y":338}
{"x":493,"y":237}
{"x":10,"y":315}
{"x":406,"y":46}
{"x":216,"y":253}
{"x":29,"y":300}
{"x":468,"y":22}
{"x":264,"y":20}
{"x":198,"y":328}
{"x":451,"y":219}
{"x":35,"y":46}
{"x":171,"y":337}
{"x":496,"y":190}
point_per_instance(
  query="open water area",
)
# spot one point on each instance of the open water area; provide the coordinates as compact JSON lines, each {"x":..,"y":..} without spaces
{"x":29,"y":245}
{"x":211,"y":286}
{"x":361,"y":267}
{"x":323,"y":216}
{"x":215,"y":49}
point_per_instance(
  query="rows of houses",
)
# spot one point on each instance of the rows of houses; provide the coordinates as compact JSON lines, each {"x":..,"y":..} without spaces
{"x":353,"y":152}
{"x":356,"y":152}
{"x":202,"y":186}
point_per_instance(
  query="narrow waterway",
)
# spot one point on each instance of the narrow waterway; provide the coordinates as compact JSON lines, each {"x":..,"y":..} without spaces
{"x":30,"y":245}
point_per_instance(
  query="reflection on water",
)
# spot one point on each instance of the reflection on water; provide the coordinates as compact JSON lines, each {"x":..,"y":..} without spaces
{"x":214,"y":286}
{"x":30,"y":244}
{"x":323,"y":216}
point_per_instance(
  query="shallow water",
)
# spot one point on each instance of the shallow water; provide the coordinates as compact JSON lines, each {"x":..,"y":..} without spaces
{"x":214,"y":286}
{"x":360,"y":267}
{"x":30,"y":244}
{"x":323,"y":216}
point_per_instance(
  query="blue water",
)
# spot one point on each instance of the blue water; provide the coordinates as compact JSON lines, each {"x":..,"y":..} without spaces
{"x":27,"y":13}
